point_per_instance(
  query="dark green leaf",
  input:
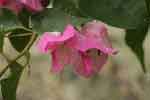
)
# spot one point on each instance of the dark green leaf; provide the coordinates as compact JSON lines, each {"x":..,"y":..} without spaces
{"x":19,"y":42}
{"x":120,"y":13}
{"x":9,"y":85}
{"x":8,"y":19}
{"x":148,"y":6}
{"x":134,"y":39}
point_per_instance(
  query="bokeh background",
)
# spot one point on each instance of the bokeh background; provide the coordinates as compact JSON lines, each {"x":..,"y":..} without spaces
{"x":120,"y":79}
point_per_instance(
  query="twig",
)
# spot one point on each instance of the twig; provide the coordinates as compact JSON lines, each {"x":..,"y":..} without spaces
{"x":14,"y":28}
{"x":28,"y":57}
{"x":19,"y":35}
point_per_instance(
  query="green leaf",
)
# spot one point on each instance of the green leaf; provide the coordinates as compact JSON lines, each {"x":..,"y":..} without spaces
{"x":8,"y":19}
{"x":79,"y":21}
{"x":9,"y":85}
{"x":69,"y":6}
{"x":54,"y":20}
{"x":127,"y":14}
{"x":134,"y":39}
{"x":19,"y":42}
{"x":49,"y":20}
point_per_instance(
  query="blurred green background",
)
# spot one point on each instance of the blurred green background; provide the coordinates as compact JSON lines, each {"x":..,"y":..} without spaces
{"x":120,"y":79}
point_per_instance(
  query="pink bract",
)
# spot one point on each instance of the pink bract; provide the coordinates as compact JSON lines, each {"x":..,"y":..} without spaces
{"x":51,"y":41}
{"x":62,"y":53}
{"x":17,"y":5}
{"x":93,"y":35}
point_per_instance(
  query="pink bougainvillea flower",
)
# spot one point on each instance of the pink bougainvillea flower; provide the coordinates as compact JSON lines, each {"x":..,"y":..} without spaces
{"x":86,"y":50}
{"x":13,"y":5}
{"x":33,"y":5}
{"x":62,"y":53}
{"x":17,"y":5}
{"x":94,"y":46}
{"x":2,"y":2}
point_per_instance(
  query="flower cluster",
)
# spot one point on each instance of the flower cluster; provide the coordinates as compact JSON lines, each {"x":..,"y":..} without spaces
{"x":17,"y":5}
{"x":86,"y":50}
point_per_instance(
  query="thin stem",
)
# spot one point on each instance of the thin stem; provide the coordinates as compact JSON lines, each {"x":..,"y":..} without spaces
{"x":5,"y":69}
{"x":1,"y":39}
{"x":14,"y":28}
{"x":28,"y":58}
{"x":26,"y":49}
{"x":18,"y":35}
